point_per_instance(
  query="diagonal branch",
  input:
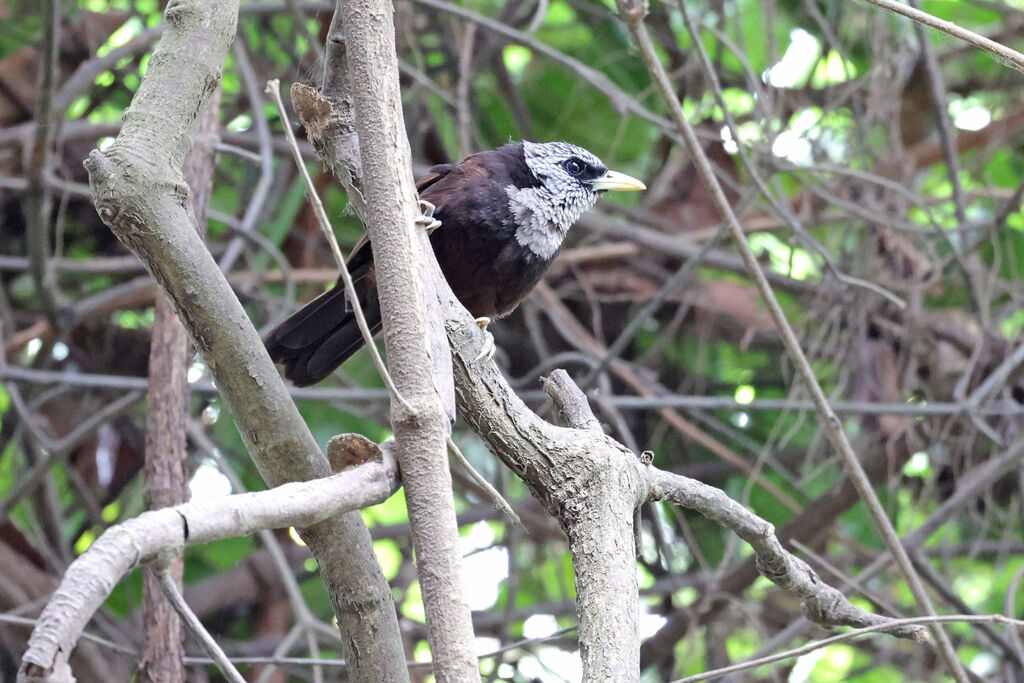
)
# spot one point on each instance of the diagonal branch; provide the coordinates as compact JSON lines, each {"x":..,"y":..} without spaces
{"x":1002,"y":53}
{"x":821,"y":603}
{"x":633,"y":13}
{"x":152,"y":535}
{"x":413,"y":334}
{"x":140,"y":194}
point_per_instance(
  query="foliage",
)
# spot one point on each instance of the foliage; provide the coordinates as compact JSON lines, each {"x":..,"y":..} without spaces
{"x":832,"y":106}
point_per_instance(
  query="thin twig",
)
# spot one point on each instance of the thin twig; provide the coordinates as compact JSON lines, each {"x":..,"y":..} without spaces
{"x":849,"y":635}
{"x":970,"y":484}
{"x":780,"y":208}
{"x":1008,"y":56}
{"x":620,"y":100}
{"x":672,"y":285}
{"x":365,"y":81}
{"x":274,"y":90}
{"x":303,"y":616}
{"x":633,"y":15}
{"x":499,"y":501}
{"x":947,"y":141}
{"x":39,"y":213}
{"x":99,"y":640}
{"x":196,"y":628}
{"x":463,"y":109}
{"x":623,"y":402}
{"x":55,"y":451}
{"x":258,"y":197}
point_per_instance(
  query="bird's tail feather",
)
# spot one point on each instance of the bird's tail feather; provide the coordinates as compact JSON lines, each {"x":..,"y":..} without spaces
{"x":322,"y":335}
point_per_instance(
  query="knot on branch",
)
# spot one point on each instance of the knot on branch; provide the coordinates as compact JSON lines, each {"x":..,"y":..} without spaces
{"x":345,"y":451}
{"x":330,"y":127}
{"x":780,"y":569}
{"x":179,"y":11}
{"x":572,"y":409}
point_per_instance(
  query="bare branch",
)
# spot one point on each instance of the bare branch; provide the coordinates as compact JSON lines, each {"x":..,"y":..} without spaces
{"x":138,"y":191}
{"x":1004,"y":54}
{"x":38,"y":161}
{"x":405,"y":272}
{"x":843,"y":637}
{"x":274,"y":90}
{"x":165,"y":481}
{"x":633,"y":14}
{"x":821,"y":603}
{"x":89,"y":580}
{"x":170,"y":588}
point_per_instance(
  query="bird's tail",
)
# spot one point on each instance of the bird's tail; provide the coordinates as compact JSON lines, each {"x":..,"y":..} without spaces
{"x":322,"y":335}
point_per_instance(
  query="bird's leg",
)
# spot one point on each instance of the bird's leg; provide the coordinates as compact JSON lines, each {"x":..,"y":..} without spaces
{"x":426,"y":218}
{"x":487,"y":350}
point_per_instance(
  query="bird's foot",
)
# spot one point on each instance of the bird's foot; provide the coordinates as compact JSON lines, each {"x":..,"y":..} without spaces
{"x":426,"y":218}
{"x":488,"y":348}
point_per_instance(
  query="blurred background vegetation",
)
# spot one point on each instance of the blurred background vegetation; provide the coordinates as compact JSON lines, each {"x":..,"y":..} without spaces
{"x":893,"y":234}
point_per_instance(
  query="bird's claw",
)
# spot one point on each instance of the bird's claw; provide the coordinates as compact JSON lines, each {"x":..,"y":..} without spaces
{"x":487,"y":348}
{"x":426,"y":218}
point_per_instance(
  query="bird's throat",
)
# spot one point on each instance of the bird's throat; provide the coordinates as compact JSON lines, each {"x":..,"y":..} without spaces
{"x":541,"y":225}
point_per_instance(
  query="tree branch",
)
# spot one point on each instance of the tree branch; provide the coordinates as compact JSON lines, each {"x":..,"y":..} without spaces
{"x":1004,"y":54}
{"x":165,"y":482}
{"x":154,"y":534}
{"x":633,"y":13}
{"x":821,"y":603}
{"x":39,"y":209}
{"x":413,"y":334}
{"x":139,"y":192}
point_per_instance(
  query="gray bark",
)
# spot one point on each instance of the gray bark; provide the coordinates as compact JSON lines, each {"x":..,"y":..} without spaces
{"x":139,"y":192}
{"x":584,"y":478}
{"x":154,"y":535}
{"x":399,"y":247}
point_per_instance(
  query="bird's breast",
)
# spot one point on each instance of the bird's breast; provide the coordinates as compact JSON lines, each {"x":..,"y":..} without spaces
{"x":489,"y":268}
{"x":537,"y":221}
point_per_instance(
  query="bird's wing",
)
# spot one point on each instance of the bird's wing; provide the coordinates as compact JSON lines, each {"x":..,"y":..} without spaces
{"x":360,"y":258}
{"x":446,"y":178}
{"x":433,"y":187}
{"x":435,"y":174}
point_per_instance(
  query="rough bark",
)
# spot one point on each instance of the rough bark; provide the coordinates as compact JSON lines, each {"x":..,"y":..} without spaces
{"x":165,"y":479}
{"x":157,"y":533}
{"x":399,"y":247}
{"x":165,"y":485}
{"x":139,"y":192}
{"x":585,"y":479}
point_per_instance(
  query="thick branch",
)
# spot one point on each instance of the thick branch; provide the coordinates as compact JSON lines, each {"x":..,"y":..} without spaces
{"x":139,"y":192}
{"x":591,"y":484}
{"x":587,"y":480}
{"x":361,"y":132}
{"x":90,"y":578}
{"x":167,"y":401}
{"x":821,"y":603}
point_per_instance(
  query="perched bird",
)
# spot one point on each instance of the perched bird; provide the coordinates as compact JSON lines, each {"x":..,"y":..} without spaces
{"x":503,"y":213}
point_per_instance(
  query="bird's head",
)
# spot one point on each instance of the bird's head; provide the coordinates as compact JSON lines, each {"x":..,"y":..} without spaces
{"x":566,"y":170}
{"x":569,"y":181}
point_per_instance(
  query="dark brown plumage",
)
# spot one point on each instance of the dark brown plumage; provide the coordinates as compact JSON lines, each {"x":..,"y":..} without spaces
{"x":503,"y":216}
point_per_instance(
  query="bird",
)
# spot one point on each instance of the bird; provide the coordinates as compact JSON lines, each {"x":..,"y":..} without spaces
{"x":503,"y":214}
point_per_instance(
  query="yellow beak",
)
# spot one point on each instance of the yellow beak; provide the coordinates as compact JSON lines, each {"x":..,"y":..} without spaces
{"x":613,"y":180}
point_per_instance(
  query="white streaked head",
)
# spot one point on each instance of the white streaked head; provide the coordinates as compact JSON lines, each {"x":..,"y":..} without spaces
{"x":571,"y":179}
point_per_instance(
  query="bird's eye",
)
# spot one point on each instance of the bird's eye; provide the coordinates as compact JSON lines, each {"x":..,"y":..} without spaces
{"x":573,"y":166}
